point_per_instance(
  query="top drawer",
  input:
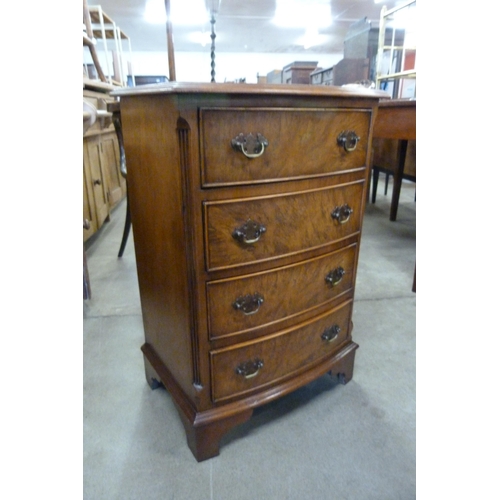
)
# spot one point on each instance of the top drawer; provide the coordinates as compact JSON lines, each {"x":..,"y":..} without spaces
{"x":292,"y":143}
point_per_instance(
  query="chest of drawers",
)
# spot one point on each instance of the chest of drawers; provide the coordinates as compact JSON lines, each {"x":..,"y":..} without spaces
{"x":247,"y":205}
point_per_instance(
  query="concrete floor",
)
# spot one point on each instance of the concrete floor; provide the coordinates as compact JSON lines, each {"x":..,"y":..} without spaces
{"x":326,"y":441}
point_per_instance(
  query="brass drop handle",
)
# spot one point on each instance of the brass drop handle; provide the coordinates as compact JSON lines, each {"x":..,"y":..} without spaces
{"x":249,"y":233}
{"x":335,"y":276}
{"x":348,"y":139}
{"x":342,"y":214}
{"x":251,"y":146}
{"x":249,"y":304}
{"x":330,"y":334}
{"x":249,"y":369}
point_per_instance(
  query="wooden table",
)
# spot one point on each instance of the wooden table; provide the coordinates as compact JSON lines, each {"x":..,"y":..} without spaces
{"x":397,"y":119}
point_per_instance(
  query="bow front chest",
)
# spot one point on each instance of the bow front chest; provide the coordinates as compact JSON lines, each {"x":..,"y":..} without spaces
{"x":247,"y":204}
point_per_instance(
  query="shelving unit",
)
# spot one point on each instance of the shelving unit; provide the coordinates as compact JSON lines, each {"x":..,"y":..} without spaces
{"x":396,"y":61}
{"x":103,"y":184}
{"x":106,"y":32}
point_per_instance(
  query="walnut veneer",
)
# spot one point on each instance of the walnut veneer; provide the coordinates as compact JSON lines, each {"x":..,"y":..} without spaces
{"x":247,"y":204}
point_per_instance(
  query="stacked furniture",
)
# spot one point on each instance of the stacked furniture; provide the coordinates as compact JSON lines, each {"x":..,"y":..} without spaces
{"x":103,"y":183}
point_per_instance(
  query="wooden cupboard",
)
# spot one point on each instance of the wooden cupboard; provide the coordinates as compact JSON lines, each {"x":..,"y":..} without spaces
{"x":103,"y":184}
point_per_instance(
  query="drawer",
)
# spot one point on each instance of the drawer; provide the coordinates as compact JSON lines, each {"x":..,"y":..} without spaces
{"x":245,"y":367}
{"x":249,"y":302}
{"x":257,"y":229}
{"x":300,"y":143}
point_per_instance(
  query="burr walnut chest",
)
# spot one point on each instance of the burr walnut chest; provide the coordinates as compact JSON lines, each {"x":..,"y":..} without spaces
{"x":247,"y":204}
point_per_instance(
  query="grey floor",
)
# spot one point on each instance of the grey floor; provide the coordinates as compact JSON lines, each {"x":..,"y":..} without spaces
{"x":326,"y":441}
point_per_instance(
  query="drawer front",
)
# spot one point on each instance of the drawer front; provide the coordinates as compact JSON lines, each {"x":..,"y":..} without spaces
{"x":244,"y":368}
{"x":257,"y":229}
{"x":300,"y":143}
{"x":249,"y":302}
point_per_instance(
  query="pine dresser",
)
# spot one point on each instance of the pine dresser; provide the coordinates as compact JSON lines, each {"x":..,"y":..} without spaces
{"x":247,"y":204}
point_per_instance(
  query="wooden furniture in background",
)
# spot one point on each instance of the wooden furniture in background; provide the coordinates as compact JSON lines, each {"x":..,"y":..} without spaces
{"x":298,"y":72}
{"x":247,"y":204}
{"x":350,"y":71}
{"x":360,"y":56}
{"x":275,"y":76}
{"x":114,"y":108}
{"x":361,"y":43}
{"x":88,"y":41}
{"x":397,"y":120}
{"x":346,"y":71}
{"x":322,"y":76}
{"x":103,"y":30}
{"x":385,"y":161}
{"x":89,"y":118}
{"x":103,"y":184}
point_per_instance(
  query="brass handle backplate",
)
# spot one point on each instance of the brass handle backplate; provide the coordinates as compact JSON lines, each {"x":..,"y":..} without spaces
{"x":249,"y":304}
{"x":342,"y":214}
{"x":348,"y":139}
{"x":249,"y":369}
{"x":335,"y":276}
{"x":330,"y":334}
{"x":251,"y":146}
{"x":249,"y":233}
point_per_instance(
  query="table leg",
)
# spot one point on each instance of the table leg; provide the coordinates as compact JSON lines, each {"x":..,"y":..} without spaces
{"x":398,"y":178}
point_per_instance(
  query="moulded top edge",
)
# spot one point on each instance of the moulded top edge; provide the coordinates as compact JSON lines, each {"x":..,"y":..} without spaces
{"x":250,"y":88}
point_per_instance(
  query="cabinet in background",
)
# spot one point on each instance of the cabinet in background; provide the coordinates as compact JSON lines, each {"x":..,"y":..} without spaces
{"x":96,"y":206}
{"x":103,"y":185}
{"x":299,"y":71}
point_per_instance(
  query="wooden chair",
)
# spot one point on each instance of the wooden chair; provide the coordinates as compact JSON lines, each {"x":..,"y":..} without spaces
{"x":114,"y":108}
{"x":88,"y":41}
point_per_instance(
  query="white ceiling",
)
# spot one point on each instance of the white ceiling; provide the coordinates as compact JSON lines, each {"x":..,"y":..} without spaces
{"x":244,"y":25}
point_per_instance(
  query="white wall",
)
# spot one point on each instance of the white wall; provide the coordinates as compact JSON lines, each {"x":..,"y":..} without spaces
{"x":195,"y":66}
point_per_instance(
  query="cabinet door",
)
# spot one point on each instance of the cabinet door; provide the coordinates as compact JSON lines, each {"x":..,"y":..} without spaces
{"x":88,"y":203}
{"x":111,"y":168}
{"x":93,"y":158}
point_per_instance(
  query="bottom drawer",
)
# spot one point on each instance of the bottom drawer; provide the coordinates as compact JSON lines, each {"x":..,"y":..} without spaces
{"x":242,"y":368}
